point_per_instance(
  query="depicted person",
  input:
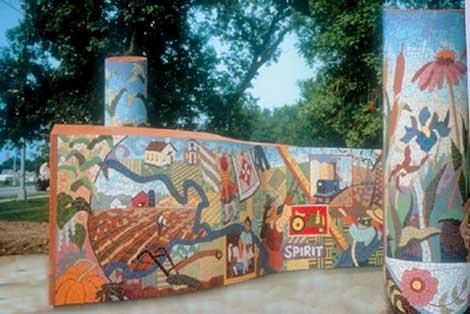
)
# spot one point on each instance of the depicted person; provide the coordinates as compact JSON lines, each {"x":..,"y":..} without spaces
{"x":261,"y":162}
{"x":229,"y":189}
{"x":276,"y":217}
{"x":367,"y":236}
{"x":246,"y":244}
{"x":162,"y":221}
{"x":235,"y":258}
{"x":242,"y":254}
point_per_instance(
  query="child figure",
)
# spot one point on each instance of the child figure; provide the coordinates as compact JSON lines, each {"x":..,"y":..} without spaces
{"x":245,"y":245}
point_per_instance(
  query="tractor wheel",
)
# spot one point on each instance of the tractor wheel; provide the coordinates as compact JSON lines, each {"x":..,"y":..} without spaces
{"x":297,"y":224}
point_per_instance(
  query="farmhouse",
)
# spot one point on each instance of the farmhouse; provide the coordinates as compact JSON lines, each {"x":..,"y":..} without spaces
{"x":160,"y":153}
{"x":144,"y":200}
{"x":140,"y":200}
{"x":116,"y":203}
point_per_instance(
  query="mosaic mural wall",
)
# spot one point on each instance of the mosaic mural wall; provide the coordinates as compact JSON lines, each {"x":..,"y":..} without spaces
{"x":139,"y":212}
{"x":426,"y":161}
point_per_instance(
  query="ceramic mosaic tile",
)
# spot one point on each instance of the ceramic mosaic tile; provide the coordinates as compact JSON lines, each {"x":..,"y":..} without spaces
{"x":427,"y":160}
{"x":139,"y":212}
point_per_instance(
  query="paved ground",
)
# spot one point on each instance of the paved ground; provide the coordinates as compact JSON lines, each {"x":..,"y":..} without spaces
{"x":12,"y":190}
{"x":23,"y":289}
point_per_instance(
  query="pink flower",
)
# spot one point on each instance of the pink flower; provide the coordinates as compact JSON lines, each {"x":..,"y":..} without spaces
{"x":418,"y":286}
{"x":443,"y":67}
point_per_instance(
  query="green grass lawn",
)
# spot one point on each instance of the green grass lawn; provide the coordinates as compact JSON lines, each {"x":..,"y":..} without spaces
{"x":30,"y":210}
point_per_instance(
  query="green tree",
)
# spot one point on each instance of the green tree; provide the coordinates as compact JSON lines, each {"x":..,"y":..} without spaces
{"x":81,"y":35}
{"x":341,"y":102}
{"x":24,"y":86}
{"x":345,"y":37}
{"x":426,"y":4}
{"x":30,"y":164}
{"x":189,"y":86}
{"x":250,"y":32}
{"x":284,"y":125}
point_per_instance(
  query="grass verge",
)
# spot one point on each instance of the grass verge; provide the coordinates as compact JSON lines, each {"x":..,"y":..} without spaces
{"x":29,"y":210}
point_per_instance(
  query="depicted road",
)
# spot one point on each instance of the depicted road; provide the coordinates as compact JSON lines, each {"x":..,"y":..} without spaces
{"x":13,"y":190}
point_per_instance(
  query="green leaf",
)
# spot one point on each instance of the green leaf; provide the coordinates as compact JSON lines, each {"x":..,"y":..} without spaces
{"x":90,"y":163}
{"x":465,"y":137}
{"x":465,"y":284}
{"x":405,"y":204}
{"x":79,"y":237}
{"x":411,"y":235}
{"x":456,"y":156}
{"x":463,"y":185}
{"x":430,"y":194}
{"x":64,"y":209}
{"x":459,"y":301}
{"x":455,"y":293}
{"x":99,"y":139}
{"x":446,"y":310}
{"x":64,"y":138}
{"x":79,"y":140}
{"x":75,"y":153}
{"x":443,"y":299}
{"x":83,"y":181}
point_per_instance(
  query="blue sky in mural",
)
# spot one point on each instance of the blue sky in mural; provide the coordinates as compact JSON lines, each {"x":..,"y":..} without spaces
{"x":419,"y":52}
{"x":133,"y":148}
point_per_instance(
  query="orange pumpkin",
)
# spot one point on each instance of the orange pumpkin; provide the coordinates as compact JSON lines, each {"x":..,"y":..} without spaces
{"x":78,"y":284}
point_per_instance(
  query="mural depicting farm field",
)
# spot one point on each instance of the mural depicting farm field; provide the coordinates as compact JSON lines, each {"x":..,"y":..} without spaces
{"x":138,"y":216}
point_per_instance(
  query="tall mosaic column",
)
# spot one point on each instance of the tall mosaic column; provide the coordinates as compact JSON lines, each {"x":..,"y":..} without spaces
{"x":426,"y":161}
{"x":125,"y":91}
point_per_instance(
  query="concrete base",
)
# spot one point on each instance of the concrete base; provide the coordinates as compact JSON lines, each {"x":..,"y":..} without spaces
{"x":23,"y":289}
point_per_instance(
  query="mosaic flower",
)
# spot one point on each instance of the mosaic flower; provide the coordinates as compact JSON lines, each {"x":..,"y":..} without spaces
{"x":443,"y":67}
{"x":427,"y":131}
{"x":405,"y":167}
{"x":433,"y":73}
{"x":418,"y":286}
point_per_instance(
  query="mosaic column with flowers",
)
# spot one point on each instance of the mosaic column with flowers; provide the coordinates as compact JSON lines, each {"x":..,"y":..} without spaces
{"x":426,"y":161}
{"x":125,"y":91}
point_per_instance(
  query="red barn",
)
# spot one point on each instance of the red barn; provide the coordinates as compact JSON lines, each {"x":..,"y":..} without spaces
{"x":140,"y":200}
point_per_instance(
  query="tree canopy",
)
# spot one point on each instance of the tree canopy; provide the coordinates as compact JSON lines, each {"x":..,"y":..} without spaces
{"x":203,"y":56}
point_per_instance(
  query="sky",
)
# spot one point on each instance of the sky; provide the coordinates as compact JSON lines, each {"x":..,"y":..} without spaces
{"x":275,"y":85}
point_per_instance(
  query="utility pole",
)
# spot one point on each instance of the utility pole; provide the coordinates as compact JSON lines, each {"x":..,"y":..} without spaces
{"x":22,"y":191}
{"x":14,"y":166}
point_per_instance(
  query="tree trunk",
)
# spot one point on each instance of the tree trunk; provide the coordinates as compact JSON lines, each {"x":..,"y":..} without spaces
{"x":22,"y":191}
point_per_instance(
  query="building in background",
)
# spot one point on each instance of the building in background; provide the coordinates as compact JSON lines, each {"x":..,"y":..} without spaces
{"x":160,"y":154}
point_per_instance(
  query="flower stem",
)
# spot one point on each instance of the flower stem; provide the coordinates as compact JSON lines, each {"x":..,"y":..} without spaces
{"x":454,"y":112}
{"x":452,"y":301}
